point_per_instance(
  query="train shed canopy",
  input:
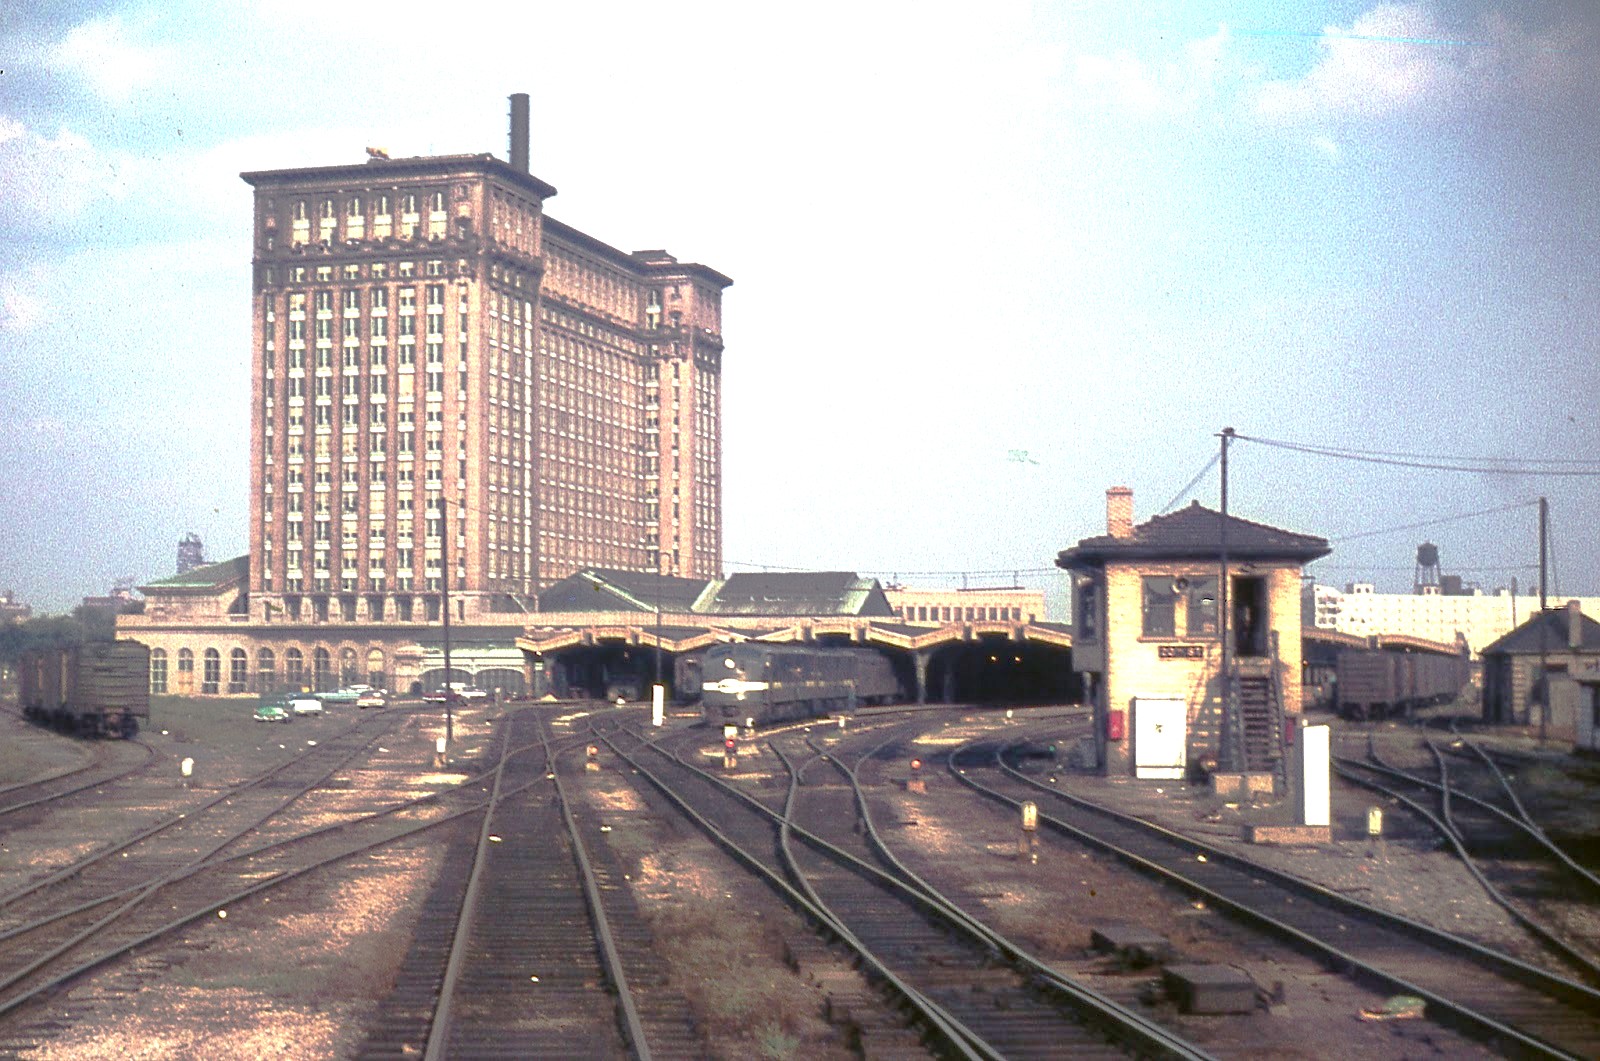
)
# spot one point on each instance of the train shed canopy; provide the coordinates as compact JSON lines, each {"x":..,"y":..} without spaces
{"x":770,"y":593}
{"x":609,"y":590}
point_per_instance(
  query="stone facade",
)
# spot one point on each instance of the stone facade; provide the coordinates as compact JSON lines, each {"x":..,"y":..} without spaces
{"x":934,"y":607}
{"x":445,"y":377}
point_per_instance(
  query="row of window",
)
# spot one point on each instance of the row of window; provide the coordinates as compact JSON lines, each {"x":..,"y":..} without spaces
{"x":297,"y":674}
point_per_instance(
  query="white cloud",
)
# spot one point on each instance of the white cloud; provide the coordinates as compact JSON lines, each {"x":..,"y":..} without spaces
{"x":104,"y":54}
{"x":1395,"y":59}
{"x":1203,"y":69}
{"x":22,"y":306}
{"x":44,"y":175}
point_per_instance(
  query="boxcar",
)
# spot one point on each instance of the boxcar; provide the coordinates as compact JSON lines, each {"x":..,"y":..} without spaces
{"x":1379,"y":683}
{"x":99,"y":689}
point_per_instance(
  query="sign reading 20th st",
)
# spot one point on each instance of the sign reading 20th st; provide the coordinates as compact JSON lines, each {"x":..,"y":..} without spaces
{"x":1181,"y":651}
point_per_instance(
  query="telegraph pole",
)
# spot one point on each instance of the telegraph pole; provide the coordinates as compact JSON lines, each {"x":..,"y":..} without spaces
{"x":444,"y":562}
{"x":1224,"y":618}
{"x":1544,"y":673}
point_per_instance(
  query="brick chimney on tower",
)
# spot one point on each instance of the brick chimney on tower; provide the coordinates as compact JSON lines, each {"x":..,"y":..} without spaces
{"x":1119,"y":512}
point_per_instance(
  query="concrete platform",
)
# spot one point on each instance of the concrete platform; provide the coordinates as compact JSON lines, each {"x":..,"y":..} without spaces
{"x":1237,"y":786}
{"x":1210,"y":988}
{"x":1289,"y":835}
{"x":1134,"y":944}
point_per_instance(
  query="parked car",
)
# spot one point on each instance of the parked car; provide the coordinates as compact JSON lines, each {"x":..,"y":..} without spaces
{"x":460,"y":690}
{"x":273,"y":713}
{"x":306,"y":705}
{"x":371,"y":698}
{"x":348,"y":695}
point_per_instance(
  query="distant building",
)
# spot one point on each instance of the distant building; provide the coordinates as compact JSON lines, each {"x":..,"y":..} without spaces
{"x":934,"y":607}
{"x":1516,"y":667}
{"x":450,"y":383}
{"x":12,"y":610}
{"x":1434,"y":616}
{"x":191,"y":553}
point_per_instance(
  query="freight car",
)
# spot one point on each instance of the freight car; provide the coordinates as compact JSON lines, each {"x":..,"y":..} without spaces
{"x":781,"y":683}
{"x":1382,"y":683}
{"x":100,"y":689}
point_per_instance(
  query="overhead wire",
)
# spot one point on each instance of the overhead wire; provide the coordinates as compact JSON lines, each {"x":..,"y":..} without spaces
{"x":1182,"y":493}
{"x":1431,"y":461}
{"x":1435,"y":522}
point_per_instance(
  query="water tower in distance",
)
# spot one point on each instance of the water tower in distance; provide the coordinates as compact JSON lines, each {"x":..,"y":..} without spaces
{"x":191,"y":553}
{"x":1427,"y":576}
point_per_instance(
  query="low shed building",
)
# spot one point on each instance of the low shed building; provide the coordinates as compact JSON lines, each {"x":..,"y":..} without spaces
{"x":1556,"y":641}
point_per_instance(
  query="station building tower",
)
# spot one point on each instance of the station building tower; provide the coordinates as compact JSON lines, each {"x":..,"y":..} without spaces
{"x":448,"y":383}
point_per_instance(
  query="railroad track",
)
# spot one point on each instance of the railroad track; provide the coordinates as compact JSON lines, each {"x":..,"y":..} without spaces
{"x":110,"y":761}
{"x":934,"y":958}
{"x":1510,"y":1004}
{"x":1518,"y":866}
{"x":529,"y":945}
{"x":78,"y":918}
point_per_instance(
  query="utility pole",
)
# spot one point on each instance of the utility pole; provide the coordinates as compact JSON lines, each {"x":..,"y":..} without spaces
{"x":1544,"y":673}
{"x":444,"y":562}
{"x":1234,"y":752}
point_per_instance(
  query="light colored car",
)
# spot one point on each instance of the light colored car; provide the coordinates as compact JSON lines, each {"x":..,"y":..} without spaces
{"x":348,"y":695}
{"x":306,"y":705}
{"x":371,"y":698}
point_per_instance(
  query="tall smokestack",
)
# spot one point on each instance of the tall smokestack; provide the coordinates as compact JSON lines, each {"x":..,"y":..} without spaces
{"x":519,"y":132}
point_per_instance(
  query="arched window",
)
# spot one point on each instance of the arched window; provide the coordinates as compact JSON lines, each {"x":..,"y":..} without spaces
{"x":238,"y":670}
{"x":185,"y":661}
{"x":211,"y":680}
{"x":158,"y":670}
{"x":375,"y":674}
{"x":266,"y":671}
{"x":347,"y":664}
{"x":294,"y":669}
{"x":322,"y":665}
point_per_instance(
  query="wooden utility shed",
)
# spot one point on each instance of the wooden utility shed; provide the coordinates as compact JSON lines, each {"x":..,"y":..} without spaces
{"x":1554,"y":641}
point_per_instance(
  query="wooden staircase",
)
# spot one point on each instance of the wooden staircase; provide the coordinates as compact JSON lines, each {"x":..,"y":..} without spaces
{"x":1259,"y":724}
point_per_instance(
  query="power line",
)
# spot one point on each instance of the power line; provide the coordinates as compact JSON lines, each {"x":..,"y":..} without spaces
{"x":1435,"y":522}
{"x":1212,"y":463}
{"x":1480,"y":465}
{"x":1409,"y":567}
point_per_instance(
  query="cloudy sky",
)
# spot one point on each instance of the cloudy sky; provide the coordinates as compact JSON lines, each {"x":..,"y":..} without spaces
{"x":986,"y":265}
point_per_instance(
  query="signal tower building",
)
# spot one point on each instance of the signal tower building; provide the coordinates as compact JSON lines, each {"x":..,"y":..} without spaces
{"x":449,"y":383}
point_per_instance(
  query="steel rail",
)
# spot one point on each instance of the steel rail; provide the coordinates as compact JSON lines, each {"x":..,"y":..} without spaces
{"x":968,"y":1042}
{"x":439,"y":1028}
{"x":264,"y":884}
{"x":150,"y":754}
{"x":182,"y":817}
{"x":1146,"y":1033}
{"x":150,"y":887}
{"x":1447,"y":829}
{"x":1478,"y":1024}
{"x":610,"y":953}
{"x":776,"y":880}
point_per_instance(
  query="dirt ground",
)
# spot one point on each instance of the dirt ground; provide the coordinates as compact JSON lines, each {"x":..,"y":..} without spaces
{"x":297,"y":972}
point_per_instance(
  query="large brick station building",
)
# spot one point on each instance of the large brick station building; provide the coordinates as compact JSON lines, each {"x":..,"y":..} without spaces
{"x":447,"y":383}
{"x":1149,"y":626}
